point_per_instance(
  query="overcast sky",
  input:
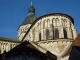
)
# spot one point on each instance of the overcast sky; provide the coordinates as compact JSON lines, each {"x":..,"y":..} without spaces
{"x":13,"y":12}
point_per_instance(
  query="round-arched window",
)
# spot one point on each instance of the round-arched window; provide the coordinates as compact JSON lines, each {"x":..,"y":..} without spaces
{"x":47,"y":34}
{"x":65,"y":33}
{"x":39,"y":36}
{"x":56,"y":33}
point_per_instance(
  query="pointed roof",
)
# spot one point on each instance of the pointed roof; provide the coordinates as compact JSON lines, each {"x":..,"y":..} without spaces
{"x":31,"y":16}
{"x":29,"y":19}
{"x":31,"y":9}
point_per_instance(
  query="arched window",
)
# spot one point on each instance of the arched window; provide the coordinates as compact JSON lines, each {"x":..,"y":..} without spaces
{"x":47,"y":34}
{"x":56,"y":33}
{"x":65,"y":33}
{"x":4,"y":51}
{"x":39,"y":36}
{"x":53,"y":33}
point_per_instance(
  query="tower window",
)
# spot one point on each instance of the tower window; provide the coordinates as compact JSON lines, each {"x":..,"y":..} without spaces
{"x":65,"y":33}
{"x":47,"y":34}
{"x":39,"y":36}
{"x":56,"y":34}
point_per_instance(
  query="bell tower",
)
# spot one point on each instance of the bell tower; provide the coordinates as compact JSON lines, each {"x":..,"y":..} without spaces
{"x":23,"y":28}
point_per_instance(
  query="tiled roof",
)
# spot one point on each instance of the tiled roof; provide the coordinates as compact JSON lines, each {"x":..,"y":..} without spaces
{"x":29,"y":19}
{"x":31,"y":16}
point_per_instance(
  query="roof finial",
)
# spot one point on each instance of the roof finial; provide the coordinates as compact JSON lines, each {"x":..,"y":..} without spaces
{"x":31,"y":2}
{"x":31,"y":9}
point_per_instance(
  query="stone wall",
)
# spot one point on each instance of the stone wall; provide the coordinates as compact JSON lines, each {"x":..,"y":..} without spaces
{"x":51,"y":23}
{"x":57,"y":47}
{"x":5,"y":46}
{"x":22,"y":30}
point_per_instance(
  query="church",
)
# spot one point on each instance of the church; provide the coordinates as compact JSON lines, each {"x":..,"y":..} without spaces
{"x":48,"y":37}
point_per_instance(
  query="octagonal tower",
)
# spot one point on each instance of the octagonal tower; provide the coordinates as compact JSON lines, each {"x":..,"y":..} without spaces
{"x":27,"y":22}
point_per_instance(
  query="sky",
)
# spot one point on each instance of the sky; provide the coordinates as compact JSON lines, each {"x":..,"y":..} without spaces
{"x":13,"y":13}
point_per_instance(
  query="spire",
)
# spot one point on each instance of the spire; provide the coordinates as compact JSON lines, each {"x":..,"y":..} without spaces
{"x":31,"y":15}
{"x":31,"y":9}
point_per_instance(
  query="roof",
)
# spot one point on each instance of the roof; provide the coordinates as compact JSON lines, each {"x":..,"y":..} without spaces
{"x":23,"y":47}
{"x":75,"y":53}
{"x":75,"y":43}
{"x":56,"y":14}
{"x":28,"y":47}
{"x":31,"y":16}
{"x":29,"y":19}
{"x":9,"y":40}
